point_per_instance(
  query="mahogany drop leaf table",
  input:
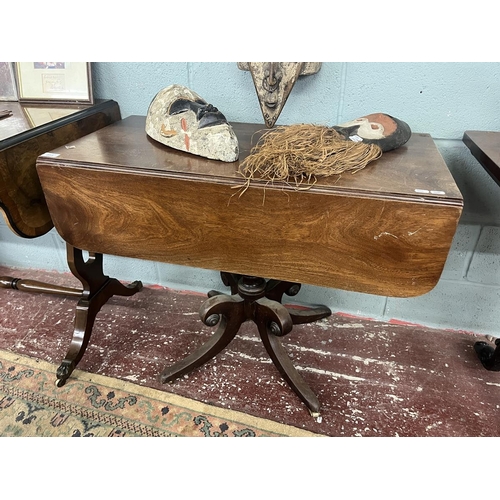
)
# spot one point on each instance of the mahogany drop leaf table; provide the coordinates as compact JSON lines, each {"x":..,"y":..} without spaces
{"x":385,"y":230}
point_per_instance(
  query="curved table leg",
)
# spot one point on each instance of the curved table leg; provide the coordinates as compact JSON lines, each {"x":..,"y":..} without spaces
{"x":488,"y":355}
{"x":273,"y":321}
{"x":275,"y":291}
{"x":309,"y":315}
{"x":97,"y":290}
{"x":229,"y":311}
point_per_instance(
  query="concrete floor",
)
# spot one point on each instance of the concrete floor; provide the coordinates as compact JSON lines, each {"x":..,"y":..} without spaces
{"x":372,"y":378}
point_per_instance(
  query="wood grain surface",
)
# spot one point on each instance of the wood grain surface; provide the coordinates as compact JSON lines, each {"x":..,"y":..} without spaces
{"x":21,"y":196}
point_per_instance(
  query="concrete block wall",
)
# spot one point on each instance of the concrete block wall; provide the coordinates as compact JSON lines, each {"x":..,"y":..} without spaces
{"x":442,"y":99}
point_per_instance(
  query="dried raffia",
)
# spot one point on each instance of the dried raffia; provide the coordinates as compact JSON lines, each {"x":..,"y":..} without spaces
{"x":299,"y":154}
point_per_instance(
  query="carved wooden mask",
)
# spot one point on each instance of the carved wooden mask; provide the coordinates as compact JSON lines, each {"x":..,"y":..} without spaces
{"x":274,"y":81}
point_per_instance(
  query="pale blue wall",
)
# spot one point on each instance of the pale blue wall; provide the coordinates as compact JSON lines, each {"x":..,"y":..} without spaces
{"x":442,"y":99}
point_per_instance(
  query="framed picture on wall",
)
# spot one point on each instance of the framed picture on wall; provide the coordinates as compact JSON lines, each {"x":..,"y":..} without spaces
{"x":8,"y":90}
{"x":63,"y":82}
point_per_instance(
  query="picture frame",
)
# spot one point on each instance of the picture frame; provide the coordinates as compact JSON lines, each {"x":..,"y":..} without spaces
{"x":50,"y":82}
{"x":8,"y":88}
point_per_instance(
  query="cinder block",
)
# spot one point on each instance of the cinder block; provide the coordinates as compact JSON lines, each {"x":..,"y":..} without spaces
{"x":357,"y":304}
{"x":461,"y":251}
{"x":190,"y":278}
{"x":485,"y":264}
{"x":127,"y":269}
{"x":468,"y":307}
{"x":36,"y":253}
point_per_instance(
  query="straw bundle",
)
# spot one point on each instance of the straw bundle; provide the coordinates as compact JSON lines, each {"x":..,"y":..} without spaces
{"x":299,"y":154}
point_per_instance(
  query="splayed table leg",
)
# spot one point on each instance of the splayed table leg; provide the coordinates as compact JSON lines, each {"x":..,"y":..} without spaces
{"x":250,"y":301}
{"x":97,"y":290}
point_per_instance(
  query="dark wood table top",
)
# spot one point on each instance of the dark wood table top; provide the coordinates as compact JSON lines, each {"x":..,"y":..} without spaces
{"x":35,"y":118}
{"x":485,"y":147}
{"x":386,"y":229}
{"x":415,"y":170}
{"x":31,"y":130}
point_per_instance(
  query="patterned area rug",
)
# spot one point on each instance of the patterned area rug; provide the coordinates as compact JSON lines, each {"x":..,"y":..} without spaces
{"x":93,"y":405}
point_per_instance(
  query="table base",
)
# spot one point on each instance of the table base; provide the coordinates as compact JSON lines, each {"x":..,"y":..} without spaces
{"x":252,"y":299}
{"x":257,"y":300}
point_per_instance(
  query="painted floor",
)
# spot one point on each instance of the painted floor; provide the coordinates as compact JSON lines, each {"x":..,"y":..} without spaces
{"x":372,"y":378}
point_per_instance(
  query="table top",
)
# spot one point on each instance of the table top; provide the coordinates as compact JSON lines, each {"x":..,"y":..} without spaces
{"x":415,"y":170}
{"x":30,"y":131}
{"x":386,"y":229}
{"x":485,"y":147}
{"x":28,"y":120}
